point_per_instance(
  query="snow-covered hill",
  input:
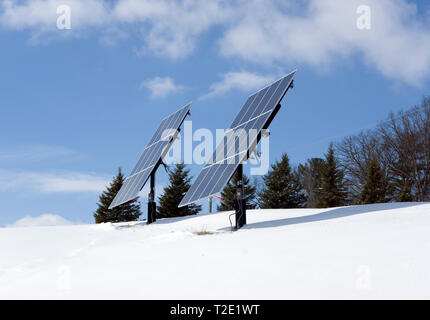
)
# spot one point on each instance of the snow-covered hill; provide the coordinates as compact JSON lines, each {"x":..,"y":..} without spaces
{"x":375,"y":251}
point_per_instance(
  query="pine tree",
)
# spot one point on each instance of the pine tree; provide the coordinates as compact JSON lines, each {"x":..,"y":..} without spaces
{"x":179,"y":184}
{"x":375,"y":189}
{"x":229,"y":194}
{"x":129,"y":211}
{"x":282,"y":188}
{"x":405,"y":193}
{"x":311,"y":179}
{"x":332,"y":192}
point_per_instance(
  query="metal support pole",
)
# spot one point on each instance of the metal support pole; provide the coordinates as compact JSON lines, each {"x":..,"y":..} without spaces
{"x":210,"y":204}
{"x":152,"y":206}
{"x":240,"y":200}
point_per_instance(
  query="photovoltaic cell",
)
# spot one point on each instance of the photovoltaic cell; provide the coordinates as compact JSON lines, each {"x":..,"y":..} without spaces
{"x":254,"y":116}
{"x":156,"y":149}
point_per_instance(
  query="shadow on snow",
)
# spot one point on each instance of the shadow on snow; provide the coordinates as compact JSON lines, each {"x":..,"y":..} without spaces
{"x":331,"y":214}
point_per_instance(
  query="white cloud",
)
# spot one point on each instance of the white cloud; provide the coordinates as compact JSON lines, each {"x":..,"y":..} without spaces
{"x":168,"y":28}
{"x":70,"y":182}
{"x":40,"y":16}
{"x":398,"y":45}
{"x":161,"y":87}
{"x":282,"y":32}
{"x":43,"y":220}
{"x":34,"y":153}
{"x":243,"y":80}
{"x":171,"y":28}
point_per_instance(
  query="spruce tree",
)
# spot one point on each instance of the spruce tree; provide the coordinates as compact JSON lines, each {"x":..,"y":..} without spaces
{"x":311,"y":179}
{"x":332,"y":192}
{"x":229,"y":194}
{"x":375,"y":189}
{"x":282,"y":188}
{"x":405,"y":192}
{"x":129,"y":211}
{"x":179,"y":183}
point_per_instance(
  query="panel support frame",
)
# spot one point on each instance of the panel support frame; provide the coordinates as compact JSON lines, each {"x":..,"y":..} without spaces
{"x":240,"y":201}
{"x":152,"y":205}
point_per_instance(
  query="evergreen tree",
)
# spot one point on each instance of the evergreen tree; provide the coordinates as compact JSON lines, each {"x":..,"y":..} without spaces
{"x":332,"y":192}
{"x":129,"y":211}
{"x":282,"y":187}
{"x":375,"y":189}
{"x":405,"y":192}
{"x":311,"y":180}
{"x":173,"y":194}
{"x":229,"y":194}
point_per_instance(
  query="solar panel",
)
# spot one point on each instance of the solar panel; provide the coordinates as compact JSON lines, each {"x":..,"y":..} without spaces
{"x":256,"y":115}
{"x":151,"y":157}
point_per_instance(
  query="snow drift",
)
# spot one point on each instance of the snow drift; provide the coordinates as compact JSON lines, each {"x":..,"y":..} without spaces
{"x":374,"y":251}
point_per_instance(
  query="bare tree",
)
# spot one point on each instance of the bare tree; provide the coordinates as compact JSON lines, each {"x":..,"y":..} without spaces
{"x":355,"y":153}
{"x":406,"y":150}
{"x":401,"y":146}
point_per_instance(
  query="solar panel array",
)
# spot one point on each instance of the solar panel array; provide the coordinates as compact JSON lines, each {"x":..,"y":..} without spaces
{"x":242,"y":135}
{"x":156,"y":149}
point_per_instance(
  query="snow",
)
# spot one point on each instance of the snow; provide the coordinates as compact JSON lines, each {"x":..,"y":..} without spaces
{"x":47,"y":219}
{"x":364,"y":252}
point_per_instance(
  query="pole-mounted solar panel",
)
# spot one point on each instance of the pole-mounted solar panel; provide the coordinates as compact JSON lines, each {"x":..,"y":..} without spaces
{"x":256,"y":115}
{"x":150,"y":160}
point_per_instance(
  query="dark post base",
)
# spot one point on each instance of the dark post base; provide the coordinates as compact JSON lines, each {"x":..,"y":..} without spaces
{"x":152,"y":212}
{"x":240,"y":213}
{"x":240,"y":202}
{"x":152,"y":206}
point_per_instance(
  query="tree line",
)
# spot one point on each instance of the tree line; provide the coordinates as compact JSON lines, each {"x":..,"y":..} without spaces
{"x":390,"y":163}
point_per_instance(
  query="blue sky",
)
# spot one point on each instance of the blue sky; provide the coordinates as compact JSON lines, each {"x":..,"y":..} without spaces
{"x":77,"y":104}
